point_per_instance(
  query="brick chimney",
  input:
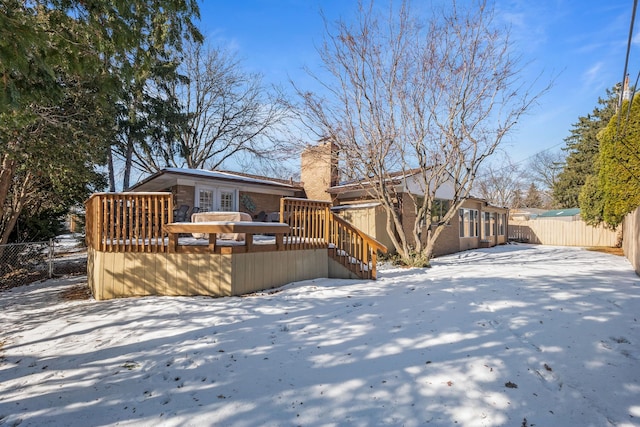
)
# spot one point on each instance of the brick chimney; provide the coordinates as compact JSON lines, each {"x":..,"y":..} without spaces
{"x":319,"y":169}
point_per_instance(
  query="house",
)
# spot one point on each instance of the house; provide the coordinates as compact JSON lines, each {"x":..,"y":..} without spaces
{"x":524,"y":214}
{"x":478,"y":224}
{"x":221,"y":191}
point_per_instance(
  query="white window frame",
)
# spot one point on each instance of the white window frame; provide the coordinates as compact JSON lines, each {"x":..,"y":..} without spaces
{"x":217,"y":193}
{"x":486,"y":225}
{"x":469,"y":221}
{"x":234,"y":202}
{"x":196,"y":201}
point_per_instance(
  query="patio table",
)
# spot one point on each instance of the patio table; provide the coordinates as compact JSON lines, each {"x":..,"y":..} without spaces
{"x":213,"y":228}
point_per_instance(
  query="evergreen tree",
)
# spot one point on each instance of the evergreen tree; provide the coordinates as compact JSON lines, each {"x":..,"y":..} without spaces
{"x":582,"y":148}
{"x":617,"y":191}
{"x":533,"y":199}
{"x":592,"y":201}
{"x":64,"y":65}
{"x":518,"y":200}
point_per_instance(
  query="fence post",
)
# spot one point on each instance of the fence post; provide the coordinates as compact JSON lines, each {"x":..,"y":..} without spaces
{"x":51,"y":258}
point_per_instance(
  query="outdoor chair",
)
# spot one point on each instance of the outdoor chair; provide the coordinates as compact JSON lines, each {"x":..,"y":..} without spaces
{"x":180,"y":214}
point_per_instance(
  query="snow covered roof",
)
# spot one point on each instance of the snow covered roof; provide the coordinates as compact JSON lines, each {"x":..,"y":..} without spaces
{"x":355,"y":206}
{"x":392,"y":178}
{"x":168,"y":174}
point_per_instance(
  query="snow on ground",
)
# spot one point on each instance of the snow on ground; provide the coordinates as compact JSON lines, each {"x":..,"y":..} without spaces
{"x":516,"y":335}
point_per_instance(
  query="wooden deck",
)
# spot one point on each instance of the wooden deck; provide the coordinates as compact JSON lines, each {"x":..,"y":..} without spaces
{"x":136,"y":249}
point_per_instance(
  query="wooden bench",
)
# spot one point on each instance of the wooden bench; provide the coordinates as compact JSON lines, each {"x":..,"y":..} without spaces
{"x":213,"y":228}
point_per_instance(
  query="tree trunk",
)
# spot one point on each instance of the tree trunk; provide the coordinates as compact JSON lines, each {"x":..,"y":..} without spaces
{"x":6,"y":179}
{"x":112,"y":178}
{"x":20,"y":197}
{"x":127,"y":166}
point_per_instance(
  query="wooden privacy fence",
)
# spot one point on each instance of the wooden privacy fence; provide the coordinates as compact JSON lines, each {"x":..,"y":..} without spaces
{"x":562,"y":233}
{"x":313,"y":225}
{"x":631,"y":238}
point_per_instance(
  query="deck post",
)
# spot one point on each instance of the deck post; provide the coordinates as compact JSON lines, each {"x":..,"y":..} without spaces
{"x":212,"y":242}
{"x":248,"y":242}
{"x":173,"y":243}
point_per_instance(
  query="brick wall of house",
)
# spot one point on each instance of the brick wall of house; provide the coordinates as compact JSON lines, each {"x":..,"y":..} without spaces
{"x":449,"y":240}
{"x":259,"y":202}
{"x":183,"y":195}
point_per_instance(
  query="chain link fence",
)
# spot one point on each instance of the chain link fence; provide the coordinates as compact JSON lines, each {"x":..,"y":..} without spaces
{"x":24,"y":263}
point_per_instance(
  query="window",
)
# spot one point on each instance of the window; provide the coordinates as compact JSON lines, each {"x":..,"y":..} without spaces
{"x":486,"y":222}
{"x":439,"y":210}
{"x":205,"y":200}
{"x":494,"y":223}
{"x":210,"y":199}
{"x":489,"y":224}
{"x":469,"y":224}
{"x":502,"y":220}
{"x":226,"y":200}
{"x":476,"y":223}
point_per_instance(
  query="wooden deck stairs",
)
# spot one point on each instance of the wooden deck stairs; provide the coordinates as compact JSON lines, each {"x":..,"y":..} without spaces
{"x":313,"y":224}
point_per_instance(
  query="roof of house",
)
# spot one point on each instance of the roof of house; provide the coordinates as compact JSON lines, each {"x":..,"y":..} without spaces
{"x":392,"y":178}
{"x":554,"y":213}
{"x":168,"y":174}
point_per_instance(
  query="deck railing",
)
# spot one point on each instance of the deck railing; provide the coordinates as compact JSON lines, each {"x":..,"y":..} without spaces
{"x":309,"y":221}
{"x":128,"y":222}
{"x":136,"y":222}
{"x":313,"y":225}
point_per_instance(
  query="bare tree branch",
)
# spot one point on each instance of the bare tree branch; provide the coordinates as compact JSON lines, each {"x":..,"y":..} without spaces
{"x":432,"y":98}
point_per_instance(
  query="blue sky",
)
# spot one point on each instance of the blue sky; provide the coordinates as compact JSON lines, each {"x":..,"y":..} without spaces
{"x":581,"y":43}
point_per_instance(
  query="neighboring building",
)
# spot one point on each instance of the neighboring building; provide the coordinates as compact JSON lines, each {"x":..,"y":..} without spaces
{"x":525,"y":214}
{"x":221,"y":191}
{"x":572,"y":214}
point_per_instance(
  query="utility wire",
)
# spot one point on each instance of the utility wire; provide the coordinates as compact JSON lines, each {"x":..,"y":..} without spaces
{"x":626,"y":60}
{"x":618,"y":136}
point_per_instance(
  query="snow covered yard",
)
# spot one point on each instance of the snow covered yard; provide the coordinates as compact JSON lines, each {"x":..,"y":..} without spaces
{"x":515,"y":335}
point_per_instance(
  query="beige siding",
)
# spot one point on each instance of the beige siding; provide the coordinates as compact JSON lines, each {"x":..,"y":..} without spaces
{"x":562,"y":233}
{"x":371,"y":220}
{"x":339,"y":271}
{"x":117,"y":275}
{"x":631,"y":239}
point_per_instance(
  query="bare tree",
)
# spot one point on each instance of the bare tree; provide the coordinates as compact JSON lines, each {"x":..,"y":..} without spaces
{"x":500,"y":183}
{"x":431,"y":99}
{"x":230,"y":113}
{"x":543,"y":170}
